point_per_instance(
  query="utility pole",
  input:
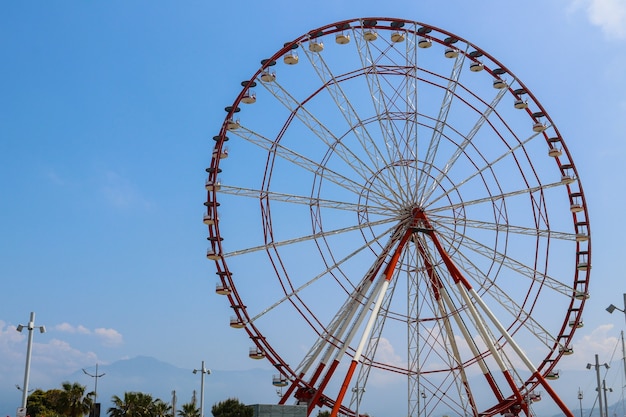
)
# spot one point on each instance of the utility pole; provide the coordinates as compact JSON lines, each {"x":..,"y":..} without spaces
{"x":95,"y":410}
{"x":174,"y":403}
{"x":29,"y":347}
{"x":580,"y":401}
{"x":606,"y":404}
{"x":203,"y":371}
{"x":599,"y":389}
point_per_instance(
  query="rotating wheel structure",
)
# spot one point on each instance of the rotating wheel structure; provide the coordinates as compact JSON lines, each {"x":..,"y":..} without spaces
{"x":393,"y":216}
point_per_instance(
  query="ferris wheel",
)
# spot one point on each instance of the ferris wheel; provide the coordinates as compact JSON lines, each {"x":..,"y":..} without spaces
{"x":389,"y":205}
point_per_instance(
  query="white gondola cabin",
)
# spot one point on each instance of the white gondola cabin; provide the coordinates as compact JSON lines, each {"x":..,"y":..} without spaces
{"x":221,"y":289}
{"x":342,"y":38}
{"x":424,"y":43}
{"x":451,"y":52}
{"x":213,"y":185}
{"x":255,"y":352}
{"x":370,"y":35}
{"x":268,"y":76}
{"x":279,"y":381}
{"x":397,"y":37}
{"x":236,"y":323}
{"x":316,"y":46}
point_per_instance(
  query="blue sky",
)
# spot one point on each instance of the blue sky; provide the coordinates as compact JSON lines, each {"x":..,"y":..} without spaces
{"x":106,"y":116}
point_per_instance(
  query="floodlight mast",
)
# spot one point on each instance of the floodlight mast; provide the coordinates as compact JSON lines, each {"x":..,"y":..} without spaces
{"x":29,"y":347}
{"x":599,"y":389}
{"x":202,"y":371}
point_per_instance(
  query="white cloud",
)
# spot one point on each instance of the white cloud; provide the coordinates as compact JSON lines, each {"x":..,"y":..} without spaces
{"x":109,"y":337}
{"x":68,"y":328}
{"x":609,"y":15}
{"x":598,"y":342}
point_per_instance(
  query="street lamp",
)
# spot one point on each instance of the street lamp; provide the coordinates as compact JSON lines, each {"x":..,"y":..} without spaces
{"x":611,"y":308}
{"x":599,"y":389}
{"x":580,"y":401}
{"x":96,"y":411}
{"x":29,"y":347}
{"x":202,"y":371}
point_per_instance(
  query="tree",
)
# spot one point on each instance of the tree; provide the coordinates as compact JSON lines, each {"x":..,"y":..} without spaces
{"x":161,"y":409}
{"x":231,"y":407}
{"x":189,"y":410}
{"x":73,"y":401}
{"x":134,"y":404}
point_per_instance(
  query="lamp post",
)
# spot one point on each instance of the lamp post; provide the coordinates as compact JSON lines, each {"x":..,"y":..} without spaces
{"x":606,"y":404}
{"x":611,"y":308}
{"x":202,"y":371}
{"x":29,"y":347}
{"x":580,"y":401}
{"x":599,"y":389}
{"x":95,"y":400}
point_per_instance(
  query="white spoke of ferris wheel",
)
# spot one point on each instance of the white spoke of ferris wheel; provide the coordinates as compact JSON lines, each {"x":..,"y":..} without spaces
{"x":309,"y":237}
{"x":516,"y":266}
{"x":379,"y":101}
{"x":316,"y":127}
{"x":490,"y":165}
{"x":301,"y":161}
{"x":345,"y":107}
{"x":411,"y":131}
{"x":466,"y":141}
{"x":503,"y":298}
{"x":336,"y":265}
{"x":455,"y":358}
{"x":298,"y":199}
{"x":442,"y":119}
{"x":519,"y":230}
{"x":496,"y":197}
{"x":343,"y":321}
{"x":480,"y":325}
{"x":470,"y":343}
{"x":373,"y":342}
{"x":520,"y":353}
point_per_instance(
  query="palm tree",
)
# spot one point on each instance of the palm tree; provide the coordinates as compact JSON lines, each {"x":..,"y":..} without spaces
{"x":161,"y":409}
{"x":73,"y":401}
{"x":134,"y":404}
{"x":189,"y":410}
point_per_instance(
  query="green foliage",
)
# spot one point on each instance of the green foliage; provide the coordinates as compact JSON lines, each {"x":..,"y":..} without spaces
{"x":134,"y":404}
{"x":189,"y":410}
{"x":231,"y":407}
{"x":324,"y":413}
{"x":161,"y":409}
{"x":71,"y":401}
